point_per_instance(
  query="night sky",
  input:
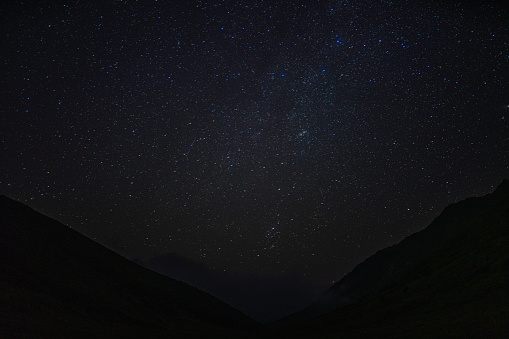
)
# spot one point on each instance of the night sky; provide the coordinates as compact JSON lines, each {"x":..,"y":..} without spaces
{"x":253,"y":138}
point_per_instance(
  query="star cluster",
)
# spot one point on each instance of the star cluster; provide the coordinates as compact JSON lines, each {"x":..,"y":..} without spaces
{"x":253,"y":136}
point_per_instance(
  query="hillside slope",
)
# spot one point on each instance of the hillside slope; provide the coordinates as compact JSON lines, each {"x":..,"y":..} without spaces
{"x":390,"y":264}
{"x":460,"y":289}
{"x":55,"y":282}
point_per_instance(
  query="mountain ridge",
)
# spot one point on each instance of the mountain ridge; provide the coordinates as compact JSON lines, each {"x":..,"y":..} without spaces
{"x":461,"y":290}
{"x":55,"y":281}
{"x":387,"y":265}
{"x":450,"y":279}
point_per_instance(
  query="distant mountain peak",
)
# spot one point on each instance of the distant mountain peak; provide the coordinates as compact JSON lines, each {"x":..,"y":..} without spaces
{"x":503,"y":186}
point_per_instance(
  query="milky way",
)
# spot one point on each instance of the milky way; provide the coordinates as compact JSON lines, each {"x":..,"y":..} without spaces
{"x":257,"y":136}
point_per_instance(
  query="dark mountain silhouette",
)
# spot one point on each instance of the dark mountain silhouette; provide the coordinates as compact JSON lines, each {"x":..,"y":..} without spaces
{"x":449,"y":280}
{"x":264,"y":298}
{"x":56,"y":283}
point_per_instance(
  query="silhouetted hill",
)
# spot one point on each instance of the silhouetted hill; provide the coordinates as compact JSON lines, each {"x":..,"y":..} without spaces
{"x":55,"y":283}
{"x":449,"y":280}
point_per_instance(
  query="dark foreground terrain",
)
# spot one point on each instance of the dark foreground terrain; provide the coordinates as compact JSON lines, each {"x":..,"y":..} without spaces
{"x":56,"y":283}
{"x":450,"y":280}
{"x":459,"y":289}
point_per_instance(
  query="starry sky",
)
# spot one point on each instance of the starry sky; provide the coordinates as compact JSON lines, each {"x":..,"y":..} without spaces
{"x":252,"y":137}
